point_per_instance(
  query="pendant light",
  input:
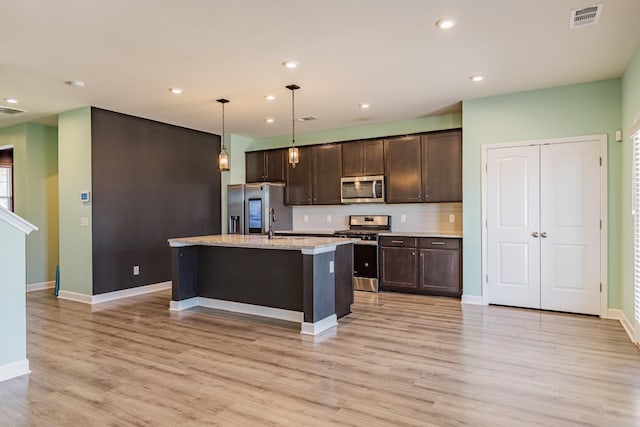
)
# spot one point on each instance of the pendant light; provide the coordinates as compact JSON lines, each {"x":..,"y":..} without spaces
{"x":223,"y":157}
{"x":293,"y":151}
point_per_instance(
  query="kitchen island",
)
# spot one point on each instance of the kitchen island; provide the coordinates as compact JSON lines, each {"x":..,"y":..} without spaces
{"x":299,"y":279}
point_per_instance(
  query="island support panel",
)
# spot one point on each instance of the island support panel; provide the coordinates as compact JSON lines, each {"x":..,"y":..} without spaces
{"x":314,"y":283}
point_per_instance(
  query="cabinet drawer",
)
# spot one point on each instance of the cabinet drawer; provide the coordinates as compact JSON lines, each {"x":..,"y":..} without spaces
{"x":439,"y":243}
{"x":409,"y":242}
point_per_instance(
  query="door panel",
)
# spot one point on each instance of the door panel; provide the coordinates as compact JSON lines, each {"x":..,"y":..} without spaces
{"x":513,"y":215}
{"x":570,"y":218}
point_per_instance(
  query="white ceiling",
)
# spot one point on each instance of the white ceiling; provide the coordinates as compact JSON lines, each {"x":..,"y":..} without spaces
{"x":387,"y":53}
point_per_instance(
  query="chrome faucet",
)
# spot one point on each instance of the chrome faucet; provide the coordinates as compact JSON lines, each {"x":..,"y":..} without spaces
{"x":272,"y":219}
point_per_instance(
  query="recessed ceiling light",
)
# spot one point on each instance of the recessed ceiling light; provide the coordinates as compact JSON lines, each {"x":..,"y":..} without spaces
{"x":445,"y":23}
{"x":175,"y":90}
{"x":270,"y":97}
{"x":269,"y":120}
{"x":290,"y":64}
{"x":364,"y":105}
{"x":11,"y":100}
{"x":75,"y":83}
{"x":476,"y":78}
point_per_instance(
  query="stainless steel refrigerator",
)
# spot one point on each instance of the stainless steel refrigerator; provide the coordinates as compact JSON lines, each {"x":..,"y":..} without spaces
{"x":248,"y":207}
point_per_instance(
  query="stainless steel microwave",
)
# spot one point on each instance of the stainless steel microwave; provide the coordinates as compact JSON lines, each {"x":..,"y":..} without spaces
{"x":362,"y":189}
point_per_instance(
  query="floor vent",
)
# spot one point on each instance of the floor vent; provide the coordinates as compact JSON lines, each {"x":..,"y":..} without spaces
{"x":586,"y":16}
{"x":10,"y":111}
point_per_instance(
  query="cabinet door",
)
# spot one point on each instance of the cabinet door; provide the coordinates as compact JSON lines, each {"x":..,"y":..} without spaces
{"x":254,"y":165}
{"x":398,"y":267}
{"x":373,"y":157}
{"x":442,"y":167}
{"x":440,"y":271}
{"x":298,"y":188}
{"x":352,"y":158}
{"x":327,"y":167}
{"x":274,"y":165}
{"x":402,"y":157}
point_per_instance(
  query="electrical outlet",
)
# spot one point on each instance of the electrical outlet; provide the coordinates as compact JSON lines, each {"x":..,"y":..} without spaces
{"x":331,"y":267}
{"x":328,"y":218}
{"x":84,"y":221}
{"x":136,"y":270}
{"x":452,"y":218}
{"x":403,"y":218}
{"x":305,"y":218}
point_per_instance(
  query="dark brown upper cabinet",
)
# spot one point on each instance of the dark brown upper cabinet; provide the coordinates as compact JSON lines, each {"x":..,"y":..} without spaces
{"x":363,"y":158}
{"x":265,"y":166}
{"x":298,"y":187}
{"x":403,"y":178}
{"x":442,"y":167}
{"x":326,"y":173}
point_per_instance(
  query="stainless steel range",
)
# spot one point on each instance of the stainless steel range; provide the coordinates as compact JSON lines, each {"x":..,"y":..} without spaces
{"x":365,"y":252}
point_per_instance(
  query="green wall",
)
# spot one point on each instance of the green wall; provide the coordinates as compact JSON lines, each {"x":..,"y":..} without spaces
{"x":426,"y":124}
{"x":582,"y":109}
{"x":630,"y":120}
{"x":74,"y":164}
{"x":12,"y":304}
{"x":36,"y":193}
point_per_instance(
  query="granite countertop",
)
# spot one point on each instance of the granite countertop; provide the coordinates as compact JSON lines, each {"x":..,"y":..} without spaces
{"x":322,"y":232}
{"x":437,"y":234}
{"x":261,"y":242}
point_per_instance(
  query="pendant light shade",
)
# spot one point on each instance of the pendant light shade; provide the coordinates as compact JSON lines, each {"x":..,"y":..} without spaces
{"x":223,"y":157}
{"x":294,"y":157}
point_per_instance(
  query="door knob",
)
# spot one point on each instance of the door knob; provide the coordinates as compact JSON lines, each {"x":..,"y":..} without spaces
{"x":534,"y":234}
{"x":544,"y":234}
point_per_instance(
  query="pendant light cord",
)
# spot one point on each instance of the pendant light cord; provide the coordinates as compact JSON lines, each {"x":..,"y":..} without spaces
{"x":223,"y":125}
{"x":293,"y":118}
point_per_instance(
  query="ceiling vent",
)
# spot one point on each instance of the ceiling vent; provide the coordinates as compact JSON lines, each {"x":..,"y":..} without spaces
{"x":10,"y":111}
{"x":306,"y":119}
{"x":586,"y":16}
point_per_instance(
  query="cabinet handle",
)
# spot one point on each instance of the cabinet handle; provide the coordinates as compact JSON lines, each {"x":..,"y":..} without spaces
{"x":438,"y":243}
{"x":426,"y":196}
{"x":421,"y":254}
{"x":397,"y":241}
{"x":543,"y":234}
{"x":534,"y":234}
{"x":413,"y":253}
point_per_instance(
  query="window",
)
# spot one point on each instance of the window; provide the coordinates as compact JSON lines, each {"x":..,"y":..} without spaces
{"x":6,"y":187}
{"x":636,"y":220}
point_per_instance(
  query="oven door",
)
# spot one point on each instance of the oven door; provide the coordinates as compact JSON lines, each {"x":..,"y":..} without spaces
{"x":365,"y":266}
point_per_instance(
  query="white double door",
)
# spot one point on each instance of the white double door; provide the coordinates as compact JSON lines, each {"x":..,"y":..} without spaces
{"x":543,"y":226}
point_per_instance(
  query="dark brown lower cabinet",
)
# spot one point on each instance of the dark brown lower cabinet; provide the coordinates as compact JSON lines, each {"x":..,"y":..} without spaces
{"x":426,"y":265}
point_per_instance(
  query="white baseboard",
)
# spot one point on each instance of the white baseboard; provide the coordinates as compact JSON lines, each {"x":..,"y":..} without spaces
{"x":132,"y":292}
{"x":184,"y":304}
{"x":254,"y":310}
{"x":319,"y":326}
{"x":472,"y":299}
{"x":74,"y":296}
{"x":14,"y":369}
{"x":614,"y":313}
{"x":112,"y":296}
{"x":40,"y":286}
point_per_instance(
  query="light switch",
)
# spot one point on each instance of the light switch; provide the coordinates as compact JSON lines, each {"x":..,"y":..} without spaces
{"x":330,"y":266}
{"x":403,"y":218}
{"x":452,"y":218}
{"x":328,"y":218}
{"x":306,"y":218}
{"x":84,"y":221}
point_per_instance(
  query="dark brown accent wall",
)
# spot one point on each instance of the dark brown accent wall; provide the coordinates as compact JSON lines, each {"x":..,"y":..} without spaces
{"x":150,"y":181}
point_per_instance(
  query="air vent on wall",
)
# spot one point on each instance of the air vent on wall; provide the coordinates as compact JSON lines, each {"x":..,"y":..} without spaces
{"x":10,"y":111}
{"x":586,"y":16}
{"x":306,"y":119}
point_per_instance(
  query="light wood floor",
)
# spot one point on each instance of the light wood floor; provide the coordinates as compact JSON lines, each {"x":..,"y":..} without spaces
{"x":397,"y":360}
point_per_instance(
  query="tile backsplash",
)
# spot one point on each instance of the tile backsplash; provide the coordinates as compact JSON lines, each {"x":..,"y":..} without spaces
{"x":418,"y":217}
